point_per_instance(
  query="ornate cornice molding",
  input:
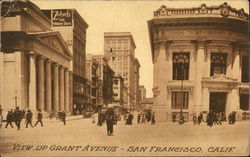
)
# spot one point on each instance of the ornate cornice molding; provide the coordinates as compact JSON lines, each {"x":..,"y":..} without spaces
{"x":223,"y":10}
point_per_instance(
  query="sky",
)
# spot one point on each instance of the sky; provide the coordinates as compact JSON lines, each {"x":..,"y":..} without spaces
{"x":126,"y":16}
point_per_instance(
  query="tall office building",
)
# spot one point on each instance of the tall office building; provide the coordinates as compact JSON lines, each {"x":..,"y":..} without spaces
{"x":119,"y":49}
{"x":73,"y":30}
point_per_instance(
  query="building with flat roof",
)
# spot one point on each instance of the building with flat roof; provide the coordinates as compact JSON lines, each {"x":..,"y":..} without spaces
{"x":201,"y":61}
{"x":73,"y":30}
{"x":119,"y":49}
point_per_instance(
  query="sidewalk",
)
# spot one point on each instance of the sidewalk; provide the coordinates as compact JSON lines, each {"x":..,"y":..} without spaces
{"x":68,"y":118}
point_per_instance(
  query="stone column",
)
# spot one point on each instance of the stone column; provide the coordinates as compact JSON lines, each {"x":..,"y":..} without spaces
{"x":61,"y":84}
{"x":66,"y":90}
{"x":233,"y":101}
{"x":32,"y":82}
{"x":198,"y":73}
{"x":40,"y":96}
{"x":55,"y":88}
{"x":48,"y":86}
{"x":236,"y":63}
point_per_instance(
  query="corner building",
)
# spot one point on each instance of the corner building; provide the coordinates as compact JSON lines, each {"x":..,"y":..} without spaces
{"x":34,"y":61}
{"x":200,"y":59}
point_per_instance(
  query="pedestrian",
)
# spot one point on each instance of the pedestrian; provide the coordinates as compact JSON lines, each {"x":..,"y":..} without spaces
{"x":210,"y":117}
{"x":99,"y":118}
{"x":9,"y":119}
{"x":216,"y":116}
{"x":200,"y":118}
{"x":93,"y":118}
{"x":233,"y":117}
{"x":130,"y":118}
{"x":109,"y":120}
{"x":173,"y":117}
{"x":63,"y":117}
{"x":39,"y":118}
{"x":153,"y":118}
{"x":181,"y":121}
{"x":17,"y":116}
{"x":138,"y":118}
{"x":148,"y":116}
{"x":1,"y":120}
{"x":220,"y":118}
{"x":29,"y":116}
{"x":195,"y":119}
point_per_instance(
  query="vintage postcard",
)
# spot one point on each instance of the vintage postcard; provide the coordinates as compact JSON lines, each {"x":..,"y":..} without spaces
{"x":124,"y":78}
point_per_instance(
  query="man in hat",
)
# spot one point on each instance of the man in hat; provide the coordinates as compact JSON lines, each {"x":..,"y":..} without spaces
{"x":17,"y":117}
{"x":29,"y":116}
{"x":109,"y":120}
{"x":39,"y":118}
{"x":9,"y":119}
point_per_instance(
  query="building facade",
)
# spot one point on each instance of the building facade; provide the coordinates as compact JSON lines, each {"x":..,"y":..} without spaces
{"x":201,"y":61}
{"x":118,"y":84}
{"x":73,"y":29}
{"x":137,"y":79}
{"x":92,"y":74}
{"x":119,"y":49}
{"x":34,"y":61}
{"x":143,"y":91}
{"x":105,"y":85}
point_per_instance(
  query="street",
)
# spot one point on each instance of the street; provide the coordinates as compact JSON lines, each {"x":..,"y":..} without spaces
{"x":81,"y":137}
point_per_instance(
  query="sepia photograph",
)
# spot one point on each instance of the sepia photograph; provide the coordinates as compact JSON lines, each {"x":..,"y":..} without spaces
{"x":124,"y":78}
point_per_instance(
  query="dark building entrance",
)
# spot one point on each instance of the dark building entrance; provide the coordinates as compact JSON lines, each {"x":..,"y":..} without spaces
{"x":217,"y":101}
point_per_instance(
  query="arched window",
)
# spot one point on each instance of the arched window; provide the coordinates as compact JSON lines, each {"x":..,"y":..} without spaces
{"x":218,"y":63}
{"x":180,"y":65}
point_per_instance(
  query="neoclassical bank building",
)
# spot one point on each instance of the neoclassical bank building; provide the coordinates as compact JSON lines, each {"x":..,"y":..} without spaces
{"x":200,"y":58}
{"x":34,"y":61}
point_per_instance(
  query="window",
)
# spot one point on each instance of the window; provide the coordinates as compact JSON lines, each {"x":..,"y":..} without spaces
{"x":244,"y":102}
{"x":180,"y":66}
{"x":245,"y":69}
{"x":179,"y":99}
{"x":116,"y":82}
{"x":218,"y":63}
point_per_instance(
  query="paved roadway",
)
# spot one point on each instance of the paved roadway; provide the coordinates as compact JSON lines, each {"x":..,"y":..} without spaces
{"x":80,"y":138}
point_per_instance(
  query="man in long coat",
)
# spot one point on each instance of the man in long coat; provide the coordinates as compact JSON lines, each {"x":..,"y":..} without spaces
{"x":110,"y":121}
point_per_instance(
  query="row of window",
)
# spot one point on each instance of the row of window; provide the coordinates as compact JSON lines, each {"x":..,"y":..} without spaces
{"x":180,"y":100}
{"x":181,"y":63}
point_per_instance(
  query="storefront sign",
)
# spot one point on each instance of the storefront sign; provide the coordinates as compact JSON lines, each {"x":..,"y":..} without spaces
{"x":62,"y":17}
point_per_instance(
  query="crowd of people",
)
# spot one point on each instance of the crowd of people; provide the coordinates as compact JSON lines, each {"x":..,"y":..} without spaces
{"x":112,"y":116}
{"x":215,"y":118}
{"x":16,"y":116}
{"x":146,"y":117}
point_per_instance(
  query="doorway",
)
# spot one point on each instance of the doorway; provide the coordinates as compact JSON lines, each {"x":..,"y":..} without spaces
{"x":217,"y":101}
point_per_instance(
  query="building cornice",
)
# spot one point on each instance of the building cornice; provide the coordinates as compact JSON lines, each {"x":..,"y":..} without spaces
{"x":223,"y":10}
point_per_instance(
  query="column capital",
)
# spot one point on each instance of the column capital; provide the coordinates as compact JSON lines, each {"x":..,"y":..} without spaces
{"x":47,"y":60}
{"x":32,"y":53}
{"x":61,"y":66}
{"x":42,"y":57}
{"x":55,"y":64}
